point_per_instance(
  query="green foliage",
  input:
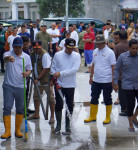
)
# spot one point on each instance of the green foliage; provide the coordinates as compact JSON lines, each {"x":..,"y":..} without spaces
{"x":57,"y":8}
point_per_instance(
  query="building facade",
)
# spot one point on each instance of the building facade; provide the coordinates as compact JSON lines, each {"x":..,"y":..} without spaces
{"x":19,"y":9}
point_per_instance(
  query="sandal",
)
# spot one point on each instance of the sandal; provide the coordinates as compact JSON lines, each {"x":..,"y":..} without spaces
{"x":51,"y":121}
{"x":135,"y":124}
{"x":131,"y":129}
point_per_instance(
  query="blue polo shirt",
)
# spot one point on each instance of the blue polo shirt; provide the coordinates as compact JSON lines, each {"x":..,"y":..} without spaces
{"x":24,"y":34}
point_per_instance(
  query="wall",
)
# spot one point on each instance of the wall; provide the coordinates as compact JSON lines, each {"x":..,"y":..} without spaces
{"x":103,"y":10}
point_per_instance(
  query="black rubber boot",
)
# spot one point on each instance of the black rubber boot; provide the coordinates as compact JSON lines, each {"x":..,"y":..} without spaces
{"x":67,"y":127}
{"x":58,"y":118}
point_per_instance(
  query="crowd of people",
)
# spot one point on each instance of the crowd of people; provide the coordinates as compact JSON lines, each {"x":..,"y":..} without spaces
{"x":111,"y":55}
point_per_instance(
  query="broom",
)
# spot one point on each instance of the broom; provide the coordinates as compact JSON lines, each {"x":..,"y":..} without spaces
{"x":26,"y":128}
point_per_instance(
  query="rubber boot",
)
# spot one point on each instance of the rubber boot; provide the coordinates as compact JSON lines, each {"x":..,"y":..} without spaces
{"x":93,"y":113}
{"x":7,"y":124}
{"x":108,"y":113}
{"x":58,"y":118}
{"x":18,"y":123}
{"x":68,"y":130}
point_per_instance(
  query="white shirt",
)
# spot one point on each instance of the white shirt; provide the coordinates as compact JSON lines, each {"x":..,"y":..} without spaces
{"x":74,"y":35}
{"x":106,"y":34}
{"x":67,"y":65}
{"x":46,"y":63}
{"x":62,"y":44}
{"x":10,"y":40}
{"x":53,"y":32}
{"x":13,"y":75}
{"x":103,"y":61}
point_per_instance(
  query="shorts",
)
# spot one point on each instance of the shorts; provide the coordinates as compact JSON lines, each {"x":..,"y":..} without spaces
{"x":42,"y":89}
{"x":88,"y":57}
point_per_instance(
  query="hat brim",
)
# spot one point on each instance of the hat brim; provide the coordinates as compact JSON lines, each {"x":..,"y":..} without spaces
{"x":17,"y":44}
{"x":37,"y":47}
{"x":71,"y":46}
{"x":99,"y":41}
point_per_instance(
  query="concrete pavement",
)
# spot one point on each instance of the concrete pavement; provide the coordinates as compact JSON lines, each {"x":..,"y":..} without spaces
{"x":91,"y":136}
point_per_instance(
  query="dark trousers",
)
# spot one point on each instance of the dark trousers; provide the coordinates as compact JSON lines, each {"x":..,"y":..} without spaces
{"x":96,"y":89}
{"x":2,"y":51}
{"x":81,"y":51}
{"x":131,"y":95}
{"x":54,"y":48}
{"x":122,"y":98}
{"x":68,"y":93}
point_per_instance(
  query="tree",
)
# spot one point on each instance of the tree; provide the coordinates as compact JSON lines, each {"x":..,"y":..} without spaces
{"x":57,"y":8}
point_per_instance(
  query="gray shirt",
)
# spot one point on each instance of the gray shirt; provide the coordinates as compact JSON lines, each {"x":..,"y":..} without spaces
{"x":129,"y":67}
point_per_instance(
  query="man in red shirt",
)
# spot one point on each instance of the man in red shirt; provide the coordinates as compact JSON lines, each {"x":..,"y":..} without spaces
{"x":88,"y":38}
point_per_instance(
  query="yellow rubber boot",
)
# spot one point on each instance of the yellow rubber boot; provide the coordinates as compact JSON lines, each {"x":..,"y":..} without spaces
{"x":18,"y":122}
{"x":108,"y":113}
{"x":7,"y":124}
{"x":93,"y":113}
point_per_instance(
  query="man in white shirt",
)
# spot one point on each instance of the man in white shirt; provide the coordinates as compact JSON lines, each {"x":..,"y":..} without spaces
{"x":54,"y":33}
{"x":101,"y":78}
{"x":13,"y":86}
{"x":106,"y":32}
{"x":64,"y":67}
{"x":12,"y":37}
{"x":74,"y":34}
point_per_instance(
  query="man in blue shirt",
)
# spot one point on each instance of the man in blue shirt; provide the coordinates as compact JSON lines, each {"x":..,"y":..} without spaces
{"x":123,"y":26}
{"x":23,"y":32}
{"x":128,"y":64}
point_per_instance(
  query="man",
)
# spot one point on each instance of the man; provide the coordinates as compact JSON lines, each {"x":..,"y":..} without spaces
{"x":108,"y":21}
{"x":45,"y":38}
{"x":81,"y":43}
{"x":58,"y":26}
{"x":123,"y":26}
{"x":101,"y":78}
{"x":135,"y":34}
{"x":54,"y":33}
{"x":130,"y":31}
{"x":92,"y":27}
{"x":75,"y":28}
{"x":64,"y":67}
{"x":12,"y":37}
{"x":128,"y":64}
{"x":13,"y":86}
{"x":80,"y":27}
{"x":119,"y":49}
{"x":2,"y":46}
{"x":23,"y":32}
{"x":7,"y":34}
{"x":106,"y":32}
{"x":88,"y":39}
{"x":62,"y":43}
{"x":41,"y":62}
{"x":74,"y":34}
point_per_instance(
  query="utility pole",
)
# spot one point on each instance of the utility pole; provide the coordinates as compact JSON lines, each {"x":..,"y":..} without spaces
{"x":67,"y":10}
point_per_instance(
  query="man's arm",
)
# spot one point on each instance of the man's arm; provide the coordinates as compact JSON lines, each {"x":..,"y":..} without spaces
{"x":117,"y":72}
{"x":91,"y":75}
{"x":70,"y":71}
{"x":87,"y":40}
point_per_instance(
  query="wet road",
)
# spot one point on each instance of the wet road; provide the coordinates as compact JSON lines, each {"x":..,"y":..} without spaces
{"x":91,"y":136}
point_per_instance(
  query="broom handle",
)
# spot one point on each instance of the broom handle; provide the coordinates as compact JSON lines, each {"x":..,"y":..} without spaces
{"x":24,"y":92}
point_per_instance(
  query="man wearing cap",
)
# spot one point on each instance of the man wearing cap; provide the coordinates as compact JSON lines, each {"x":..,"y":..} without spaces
{"x":13,"y":86}
{"x":45,"y":38}
{"x":64,"y":67}
{"x":101,"y":78}
{"x":41,"y":62}
{"x":88,"y":38}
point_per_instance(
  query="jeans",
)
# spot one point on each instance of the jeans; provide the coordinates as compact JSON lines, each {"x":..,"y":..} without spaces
{"x":10,"y":94}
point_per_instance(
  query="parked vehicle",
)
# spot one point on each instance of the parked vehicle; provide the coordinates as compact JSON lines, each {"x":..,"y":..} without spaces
{"x":16,"y":22}
{"x":98,"y":24}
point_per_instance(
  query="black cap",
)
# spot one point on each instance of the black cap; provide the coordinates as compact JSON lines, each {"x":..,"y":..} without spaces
{"x":68,"y":31}
{"x":70,"y":43}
